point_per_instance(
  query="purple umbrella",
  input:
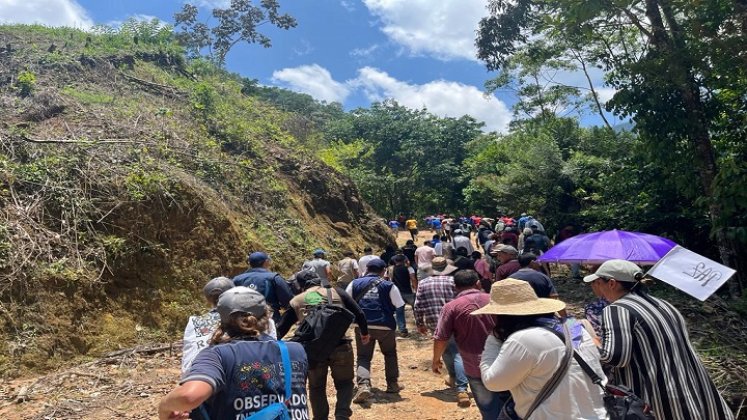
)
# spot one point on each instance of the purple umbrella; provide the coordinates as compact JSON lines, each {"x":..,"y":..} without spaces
{"x":598,"y":247}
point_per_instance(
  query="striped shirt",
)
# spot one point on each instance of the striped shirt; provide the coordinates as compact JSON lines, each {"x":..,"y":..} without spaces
{"x":648,"y":345}
{"x":433,"y":293}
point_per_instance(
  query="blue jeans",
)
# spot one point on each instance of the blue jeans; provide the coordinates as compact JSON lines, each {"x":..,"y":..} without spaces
{"x":576,"y":270}
{"x":488,"y":402}
{"x":399,"y":313}
{"x":455,"y":366}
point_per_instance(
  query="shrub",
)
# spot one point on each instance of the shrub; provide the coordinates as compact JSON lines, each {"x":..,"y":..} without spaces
{"x":25,"y":82}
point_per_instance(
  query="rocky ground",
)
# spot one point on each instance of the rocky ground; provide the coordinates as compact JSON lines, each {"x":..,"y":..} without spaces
{"x":129,"y":384}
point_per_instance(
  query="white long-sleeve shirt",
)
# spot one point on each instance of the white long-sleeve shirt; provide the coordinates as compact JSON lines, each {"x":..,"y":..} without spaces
{"x":528,"y":359}
{"x":199,"y":331}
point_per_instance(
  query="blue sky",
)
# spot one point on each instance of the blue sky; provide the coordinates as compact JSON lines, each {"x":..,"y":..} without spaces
{"x":418,"y":52}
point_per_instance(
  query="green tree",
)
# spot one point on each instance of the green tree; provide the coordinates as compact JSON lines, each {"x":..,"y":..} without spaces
{"x":673,"y":66}
{"x":412,"y":161}
{"x":239,"y":22}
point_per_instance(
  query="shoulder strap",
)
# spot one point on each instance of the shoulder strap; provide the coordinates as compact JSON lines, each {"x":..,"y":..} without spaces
{"x":367,"y":288}
{"x":585,"y":366}
{"x":554,"y":381}
{"x":267,"y":288}
{"x":203,"y":411}
{"x":587,"y":369}
{"x":329,"y":294}
{"x":286,"y":368}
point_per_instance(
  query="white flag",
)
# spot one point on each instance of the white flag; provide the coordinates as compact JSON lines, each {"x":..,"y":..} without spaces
{"x":692,"y":273}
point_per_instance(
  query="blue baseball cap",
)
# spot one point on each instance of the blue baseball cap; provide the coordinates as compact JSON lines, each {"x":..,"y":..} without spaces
{"x":376,"y":264}
{"x":318,"y":251}
{"x":257,"y":258}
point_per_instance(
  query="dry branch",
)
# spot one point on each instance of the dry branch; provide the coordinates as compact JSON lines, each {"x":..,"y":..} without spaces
{"x":158,"y":87}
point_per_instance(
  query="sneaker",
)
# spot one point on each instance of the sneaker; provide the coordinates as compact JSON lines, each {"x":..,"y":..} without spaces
{"x":450,"y":382}
{"x":394,"y":388}
{"x":463,"y":399}
{"x":363,"y":394}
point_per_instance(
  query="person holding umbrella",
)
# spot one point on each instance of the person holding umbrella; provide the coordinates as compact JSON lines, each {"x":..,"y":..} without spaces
{"x":645,"y":339}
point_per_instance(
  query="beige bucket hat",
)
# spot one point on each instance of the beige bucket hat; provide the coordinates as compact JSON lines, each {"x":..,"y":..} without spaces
{"x":516,"y":297}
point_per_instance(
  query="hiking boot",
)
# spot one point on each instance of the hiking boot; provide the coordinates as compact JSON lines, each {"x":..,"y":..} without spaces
{"x":363,"y":394}
{"x":463,"y":399}
{"x":394,"y":388}
{"x":450,"y":382}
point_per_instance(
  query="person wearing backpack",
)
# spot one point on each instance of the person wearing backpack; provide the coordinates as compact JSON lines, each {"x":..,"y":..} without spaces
{"x":339,"y":361}
{"x":244,"y":372}
{"x":271,"y":285}
{"x":379,"y":299}
{"x":538,"y":242}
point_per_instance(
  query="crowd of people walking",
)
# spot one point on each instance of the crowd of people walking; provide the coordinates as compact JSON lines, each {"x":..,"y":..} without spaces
{"x":499,"y":330}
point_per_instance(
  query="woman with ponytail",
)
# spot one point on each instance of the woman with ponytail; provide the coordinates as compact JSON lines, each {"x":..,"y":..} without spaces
{"x":244,"y":370}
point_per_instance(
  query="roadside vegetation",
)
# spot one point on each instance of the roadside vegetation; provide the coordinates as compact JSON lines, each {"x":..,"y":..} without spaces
{"x":130,"y":174}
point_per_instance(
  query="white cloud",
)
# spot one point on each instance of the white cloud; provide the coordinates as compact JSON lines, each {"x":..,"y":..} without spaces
{"x":444,"y":29}
{"x":605,"y":93}
{"x":347,"y":5}
{"x":441,"y":97}
{"x":314,"y":80}
{"x":364,"y":53}
{"x":45,"y":12}
{"x":137,"y":17}
{"x":304,"y":49}
{"x":212,"y":4}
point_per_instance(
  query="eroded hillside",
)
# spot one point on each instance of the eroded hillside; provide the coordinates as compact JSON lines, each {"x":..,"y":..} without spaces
{"x":129,"y":176}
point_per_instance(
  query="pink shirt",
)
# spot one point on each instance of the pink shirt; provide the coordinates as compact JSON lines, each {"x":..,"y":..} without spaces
{"x":424,"y":255}
{"x":483,"y":269}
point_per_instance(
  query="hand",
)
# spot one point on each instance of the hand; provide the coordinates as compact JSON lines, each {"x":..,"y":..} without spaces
{"x":365,"y":339}
{"x":436,"y":366}
{"x":173,"y":415}
{"x":422,"y":329}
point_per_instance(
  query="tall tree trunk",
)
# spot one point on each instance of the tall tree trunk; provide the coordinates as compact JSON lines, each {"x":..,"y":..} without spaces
{"x":669,"y":42}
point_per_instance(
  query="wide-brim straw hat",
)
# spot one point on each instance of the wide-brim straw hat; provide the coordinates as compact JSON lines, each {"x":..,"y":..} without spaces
{"x":516,"y":297}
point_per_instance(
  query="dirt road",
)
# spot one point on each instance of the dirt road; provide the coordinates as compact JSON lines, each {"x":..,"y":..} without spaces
{"x":130,"y":386}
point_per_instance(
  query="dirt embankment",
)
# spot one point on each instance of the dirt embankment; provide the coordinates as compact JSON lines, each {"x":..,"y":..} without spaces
{"x":128,"y":178}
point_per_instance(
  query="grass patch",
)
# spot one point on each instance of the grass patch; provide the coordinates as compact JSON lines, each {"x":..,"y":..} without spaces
{"x":88,"y":97}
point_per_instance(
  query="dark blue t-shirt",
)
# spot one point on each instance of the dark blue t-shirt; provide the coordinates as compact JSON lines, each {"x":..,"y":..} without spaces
{"x":436,"y":224}
{"x":247,"y":376}
{"x":541,"y":284}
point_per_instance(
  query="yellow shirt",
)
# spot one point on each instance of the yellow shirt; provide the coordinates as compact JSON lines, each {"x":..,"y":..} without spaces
{"x":411,"y":224}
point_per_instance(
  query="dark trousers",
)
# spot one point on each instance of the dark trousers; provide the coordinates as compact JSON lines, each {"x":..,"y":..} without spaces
{"x":388,"y":345}
{"x":341,"y":365}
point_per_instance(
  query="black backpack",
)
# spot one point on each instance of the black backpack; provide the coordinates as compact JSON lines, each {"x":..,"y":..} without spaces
{"x":322,"y":329}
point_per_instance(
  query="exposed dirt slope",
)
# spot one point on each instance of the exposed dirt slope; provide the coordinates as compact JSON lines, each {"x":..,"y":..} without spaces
{"x":128,"y":178}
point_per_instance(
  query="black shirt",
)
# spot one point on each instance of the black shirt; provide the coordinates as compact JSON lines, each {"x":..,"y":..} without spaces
{"x":401,"y":279}
{"x":409,"y":252}
{"x":541,"y":284}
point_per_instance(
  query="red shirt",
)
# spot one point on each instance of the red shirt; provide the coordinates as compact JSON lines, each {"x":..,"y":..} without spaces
{"x":470,"y":332}
{"x":504,"y":271}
